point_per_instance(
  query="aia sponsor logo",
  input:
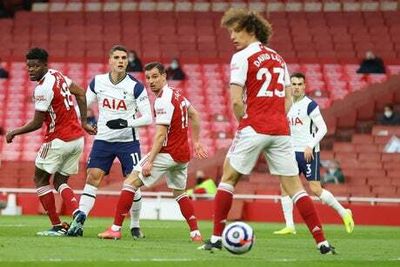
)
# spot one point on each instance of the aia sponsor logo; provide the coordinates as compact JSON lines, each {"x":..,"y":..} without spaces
{"x":114,"y":104}
{"x":295,"y":121}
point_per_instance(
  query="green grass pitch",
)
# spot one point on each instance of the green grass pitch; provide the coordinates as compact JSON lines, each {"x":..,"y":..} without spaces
{"x":167,"y":244}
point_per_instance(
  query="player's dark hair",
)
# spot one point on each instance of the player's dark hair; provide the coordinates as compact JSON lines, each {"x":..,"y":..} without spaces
{"x":152,"y":65}
{"x":299,"y":75}
{"x":251,"y":21}
{"x":118,"y":48}
{"x":37,"y":53}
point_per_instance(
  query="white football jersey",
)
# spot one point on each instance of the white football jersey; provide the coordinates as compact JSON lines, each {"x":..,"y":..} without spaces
{"x":307,"y":127}
{"x":126,"y":100}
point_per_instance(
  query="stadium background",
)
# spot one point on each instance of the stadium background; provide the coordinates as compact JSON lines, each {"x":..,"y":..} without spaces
{"x":324,"y":39}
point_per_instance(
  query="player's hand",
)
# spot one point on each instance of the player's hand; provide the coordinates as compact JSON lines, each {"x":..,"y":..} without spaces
{"x":146,"y":169}
{"x":308,"y":154}
{"x":10,"y":136}
{"x":90,"y":129}
{"x":199,"y":151}
{"x":117,"y":124}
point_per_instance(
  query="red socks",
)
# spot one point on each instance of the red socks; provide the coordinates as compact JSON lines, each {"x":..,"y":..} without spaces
{"x":124,"y":204}
{"x":186,"y":206}
{"x":46,"y":197}
{"x":309,"y":214}
{"x":68,"y":197}
{"x":222,"y":205}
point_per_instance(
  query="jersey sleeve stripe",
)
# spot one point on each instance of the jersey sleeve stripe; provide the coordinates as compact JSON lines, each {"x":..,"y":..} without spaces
{"x":311,"y":106}
{"x":137,"y":91}
{"x":91,"y":85}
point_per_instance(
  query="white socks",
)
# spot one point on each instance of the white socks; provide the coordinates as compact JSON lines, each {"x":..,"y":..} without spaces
{"x":135,"y":209}
{"x":287,"y":207}
{"x":88,"y":198}
{"x":331,"y":201}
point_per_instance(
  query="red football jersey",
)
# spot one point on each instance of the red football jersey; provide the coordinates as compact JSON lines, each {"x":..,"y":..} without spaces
{"x":171,"y":109}
{"x":263,"y":74}
{"x":53,"y":97}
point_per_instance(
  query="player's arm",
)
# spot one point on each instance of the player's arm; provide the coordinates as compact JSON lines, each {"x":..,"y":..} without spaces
{"x":288,"y":98}
{"x":80,"y":96}
{"x":237,"y":100}
{"x":194,"y":117}
{"x":319,"y":122}
{"x":288,"y":90}
{"x":239,"y":67}
{"x":33,"y":125}
{"x":91,"y":97}
{"x":143,"y":105}
{"x":160,"y":135}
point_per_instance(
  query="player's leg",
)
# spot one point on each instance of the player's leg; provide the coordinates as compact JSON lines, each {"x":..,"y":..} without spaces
{"x":99,"y":164}
{"x":176,"y":180}
{"x":60,"y":183}
{"x":282,"y":162}
{"x":131,"y":184}
{"x":73,"y":150}
{"x":328,"y":198}
{"x":286,"y":200}
{"x":314,"y":179}
{"x":129,"y":156}
{"x":47,"y":162}
{"x":241,"y":158}
{"x":46,"y":197}
{"x":287,"y":208}
{"x":135,"y":211}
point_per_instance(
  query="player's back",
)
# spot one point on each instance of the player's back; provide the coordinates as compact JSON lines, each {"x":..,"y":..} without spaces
{"x":53,"y":96}
{"x":263,"y":74}
{"x":172,"y":104}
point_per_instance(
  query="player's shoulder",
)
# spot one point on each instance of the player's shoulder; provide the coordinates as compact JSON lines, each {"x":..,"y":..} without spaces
{"x":132,"y":78}
{"x":310,"y":103}
{"x":244,"y":53}
{"x":47,"y":81}
{"x":310,"y":100}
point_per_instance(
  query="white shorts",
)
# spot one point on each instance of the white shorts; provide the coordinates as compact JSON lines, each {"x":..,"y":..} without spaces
{"x":176,"y":173}
{"x":60,"y":156}
{"x":278,"y":151}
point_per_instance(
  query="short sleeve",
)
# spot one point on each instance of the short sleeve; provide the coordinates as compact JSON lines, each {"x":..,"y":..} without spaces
{"x":43,"y":96}
{"x":239,"y":66}
{"x":163,"y":111}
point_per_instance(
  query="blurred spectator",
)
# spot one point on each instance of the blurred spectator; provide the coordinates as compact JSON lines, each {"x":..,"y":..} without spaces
{"x":389,"y":116}
{"x":371,"y":64}
{"x":2,"y":132}
{"x":203,"y":185}
{"x":3,"y":71}
{"x":91,"y":118}
{"x":174,"y":71}
{"x":134,"y":62}
{"x":334,"y":173}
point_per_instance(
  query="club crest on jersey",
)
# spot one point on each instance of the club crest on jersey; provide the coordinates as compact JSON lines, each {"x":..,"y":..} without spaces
{"x":295,"y":121}
{"x":115,"y":104}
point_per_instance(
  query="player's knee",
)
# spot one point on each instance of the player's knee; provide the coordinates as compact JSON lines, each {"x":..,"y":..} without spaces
{"x":59,"y":179}
{"x":93,"y":178}
{"x":316,"y":190}
{"x":40,"y":181}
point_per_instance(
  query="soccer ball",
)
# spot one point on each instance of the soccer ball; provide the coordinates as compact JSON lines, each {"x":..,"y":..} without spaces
{"x":238,"y":237}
